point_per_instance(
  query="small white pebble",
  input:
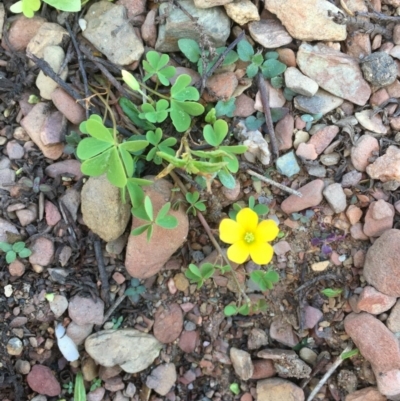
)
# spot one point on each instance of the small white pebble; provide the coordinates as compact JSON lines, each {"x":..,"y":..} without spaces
{"x":8,"y":290}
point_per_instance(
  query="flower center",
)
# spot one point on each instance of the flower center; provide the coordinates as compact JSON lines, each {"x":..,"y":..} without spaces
{"x":249,"y":238}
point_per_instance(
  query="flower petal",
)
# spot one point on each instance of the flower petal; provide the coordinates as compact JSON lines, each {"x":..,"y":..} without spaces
{"x":238,"y":252}
{"x":247,"y":219}
{"x":230,"y":231}
{"x":267,"y":230}
{"x":261,"y":252}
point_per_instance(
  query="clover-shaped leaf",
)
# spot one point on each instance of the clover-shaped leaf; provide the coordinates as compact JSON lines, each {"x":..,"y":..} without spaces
{"x":154,"y":137}
{"x":156,"y":65}
{"x":214,"y":135}
{"x":190,"y":49}
{"x":27,"y":7}
{"x":181,"y":113}
{"x":225,"y":108}
{"x":65,"y":5}
{"x":272,"y":68}
{"x":155,"y":115}
{"x":181,"y":91}
{"x":245,"y":50}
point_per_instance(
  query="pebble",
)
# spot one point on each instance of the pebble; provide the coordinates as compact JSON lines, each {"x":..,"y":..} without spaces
{"x":284,"y":132}
{"x":263,"y":369}
{"x":69,"y":167}
{"x":213,"y":21}
{"x":89,"y":369}
{"x":299,"y":83}
{"x":241,"y":361}
{"x":393,"y":321}
{"x":131,"y":349}
{"x":358,"y":45}
{"x":244,"y":106}
{"x":387,"y":167}
{"x":281,"y":248}
{"x":307,"y":151}
{"x":269,"y":33}
{"x":85,"y":311}
{"x":67,"y":105}
{"x":14,"y":150}
{"x":379,"y":69}
{"x":96,"y":395}
{"x":322,"y":102}
{"x":351,"y":179}
{"x":162,"y":378}
{"x":312,"y":196}
{"x":242,"y":12}
{"x":379,"y":346}
{"x":379,"y":218}
{"x":58,"y":305}
{"x":354,"y":214}
{"x":287,"y":56}
{"x":210,"y":3}
{"x":366,"y":394}
{"x":308,"y":355}
{"x":320,"y":266}
{"x":371,"y":122}
{"x":52,"y":214}
{"x":28,"y":215}
{"x":16,"y":268}
{"x":136,"y":9}
{"x":149,"y":28}
{"x":276,"y":98}
{"x":188,"y":341}
{"x":381,"y":269}
{"x":282,"y":332}
{"x":114,"y":384}
{"x":378,"y":97}
{"x":42,"y":251}
{"x":357,"y":232}
{"x":42,"y":380}
{"x":100,"y":198}
{"x":323,"y":137}
{"x":22,"y":366}
{"x":107,"y":372}
{"x":292,"y":367}
{"x":311,"y":316}
{"x":336,"y":197}
{"x":14,"y":346}
{"x":363,"y":150}
{"x":107,"y":20}
{"x":321,"y":63}
{"x":276,"y":389}
{"x":220,"y":86}
{"x":313,"y":14}
{"x":141,"y":261}
{"x":374,"y":302}
{"x":168,"y":323}
{"x":287,"y":165}
{"x":256,"y":339}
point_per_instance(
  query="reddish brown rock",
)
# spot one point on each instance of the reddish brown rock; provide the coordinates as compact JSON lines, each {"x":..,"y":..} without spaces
{"x":381,"y":267}
{"x":323,"y":137}
{"x":136,"y":9}
{"x":366,"y":394}
{"x":72,"y":167}
{"x":168,"y":323}
{"x":244,"y":106}
{"x":188,"y":341}
{"x":149,"y":28}
{"x":386,"y":167}
{"x":287,"y":56}
{"x":41,"y":379}
{"x":374,"y":302}
{"x":312,"y":196}
{"x":16,"y":268}
{"x":68,"y":106}
{"x":307,"y":151}
{"x":220,"y":86}
{"x":358,"y":45}
{"x":284,"y":132}
{"x":263,"y":369}
{"x":282,"y":332}
{"x":378,"y":97}
{"x":276,"y":389}
{"x":141,"y":261}
{"x":357,"y":232}
{"x":42,"y":251}
{"x":354,"y":214}
{"x":379,"y":218}
{"x":363,"y":150}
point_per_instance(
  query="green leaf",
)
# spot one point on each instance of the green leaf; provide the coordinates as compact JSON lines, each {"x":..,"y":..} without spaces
{"x":237,"y":149}
{"x":349,"y":354}
{"x":230,"y":58}
{"x":127,"y":161}
{"x":79,"y":388}
{"x":230,"y":310}
{"x":194,"y":270}
{"x":261,"y":209}
{"x":156,"y":65}
{"x":135,"y":193}
{"x":278,"y":113}
{"x":130,"y":80}
{"x":5,"y":247}
{"x":252,"y":70}
{"x":132,"y":112}
{"x":234,"y":387}
{"x":65,"y":5}
{"x":154,"y":137}
{"x":10,"y":256}
{"x":97,"y":165}
{"x":271,"y":276}
{"x":134,"y":146}
{"x":257,"y":59}
{"x":18,"y":246}
{"x":207,"y":270}
{"x":227,"y":179}
{"x":192,"y":197}
{"x":181,"y":113}
{"x":253,"y":123}
{"x":181,"y":91}
{"x":215,"y":134}
{"x":245,"y":50}
{"x":148,"y":207}
{"x":330,"y":292}
{"x":140,"y":230}
{"x":170,"y":222}
{"x":149,"y":233}
{"x":272,"y":68}
{"x":24,"y":253}
{"x":16,"y":8}
{"x":99,"y":131}
{"x":277,"y":82}
{"x":29,"y":7}
{"x":244,"y":310}
{"x":227,"y":108}
{"x":115,"y":169}
{"x":271,"y":55}
{"x":211,"y":116}
{"x":190,"y":49}
{"x":155,"y":115}
{"x":90,"y":147}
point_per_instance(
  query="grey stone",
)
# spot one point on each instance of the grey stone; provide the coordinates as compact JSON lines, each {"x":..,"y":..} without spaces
{"x":58,"y":305}
{"x":131,"y":349}
{"x":162,"y":378}
{"x":287,"y":164}
{"x":102,"y":208}
{"x":299,"y":83}
{"x":7,"y":229}
{"x":379,"y":69}
{"x":269,"y":33}
{"x":241,"y":361}
{"x":336,"y":197}
{"x":322,"y":102}
{"x":109,"y":30}
{"x":2,"y":15}
{"x":214,"y":21}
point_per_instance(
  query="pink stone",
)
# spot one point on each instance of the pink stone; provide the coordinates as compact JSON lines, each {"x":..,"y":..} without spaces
{"x":379,"y":218}
{"x":354,"y":214}
{"x":374,"y":302}
{"x":245,"y":107}
{"x":378,"y":97}
{"x":311,"y":316}
{"x":263,"y":369}
{"x":188,"y":341}
{"x":307,"y":151}
{"x":364,"y":148}
{"x":386,"y":167}
{"x":366,"y":394}
{"x":282,"y":332}
{"x":323,"y":137}
{"x":42,"y":252}
{"x":284,"y":132}
{"x":42,"y":380}
{"x":357,"y":232}
{"x":52,"y":214}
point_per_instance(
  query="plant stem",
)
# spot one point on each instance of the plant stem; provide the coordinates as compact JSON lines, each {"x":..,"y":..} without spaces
{"x":212,"y":239}
{"x":153,"y":91}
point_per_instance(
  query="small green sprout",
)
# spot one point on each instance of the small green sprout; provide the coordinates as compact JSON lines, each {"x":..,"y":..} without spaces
{"x":154,"y":138}
{"x":145,"y":212}
{"x":135,"y":290}
{"x":264,"y":279}
{"x":79,"y":390}
{"x":309,"y":119}
{"x":245,"y":309}
{"x":156,"y":64}
{"x":194,"y":203}
{"x":18,"y":249}
{"x":96,"y":383}
{"x":29,"y":7}
{"x":117,"y":322}
{"x":69,"y":387}
{"x":260,"y":209}
{"x":234,"y":387}
{"x":331,"y":292}
{"x":349,"y":354}
{"x":200,"y":275}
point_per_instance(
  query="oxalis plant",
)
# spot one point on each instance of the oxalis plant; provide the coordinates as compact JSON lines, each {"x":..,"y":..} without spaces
{"x":29,"y":7}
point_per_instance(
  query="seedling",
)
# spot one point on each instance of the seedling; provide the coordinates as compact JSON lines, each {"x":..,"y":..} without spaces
{"x":234,"y":387}
{"x":69,"y":387}
{"x":349,"y":354}
{"x":246,"y":308}
{"x":225,"y":107}
{"x":16,"y":250}
{"x":145,"y":212}
{"x":309,"y":119}
{"x":156,"y":64}
{"x":255,"y":122}
{"x":29,"y":7}
{"x":194,"y":203}
{"x":165,"y":146}
{"x":206,"y":270}
{"x":72,"y":140}
{"x":260,"y":209}
{"x":264,"y":280}
{"x":79,"y":390}
{"x":303,"y":217}
{"x":35,"y":185}
{"x":96,"y":383}
{"x":117,"y":322}
{"x":135,"y":290}
{"x":331,"y":292}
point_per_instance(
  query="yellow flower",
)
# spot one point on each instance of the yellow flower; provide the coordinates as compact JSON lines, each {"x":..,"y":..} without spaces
{"x":248,"y":237}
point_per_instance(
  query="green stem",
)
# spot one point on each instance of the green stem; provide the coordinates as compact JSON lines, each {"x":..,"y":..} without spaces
{"x":153,"y":91}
